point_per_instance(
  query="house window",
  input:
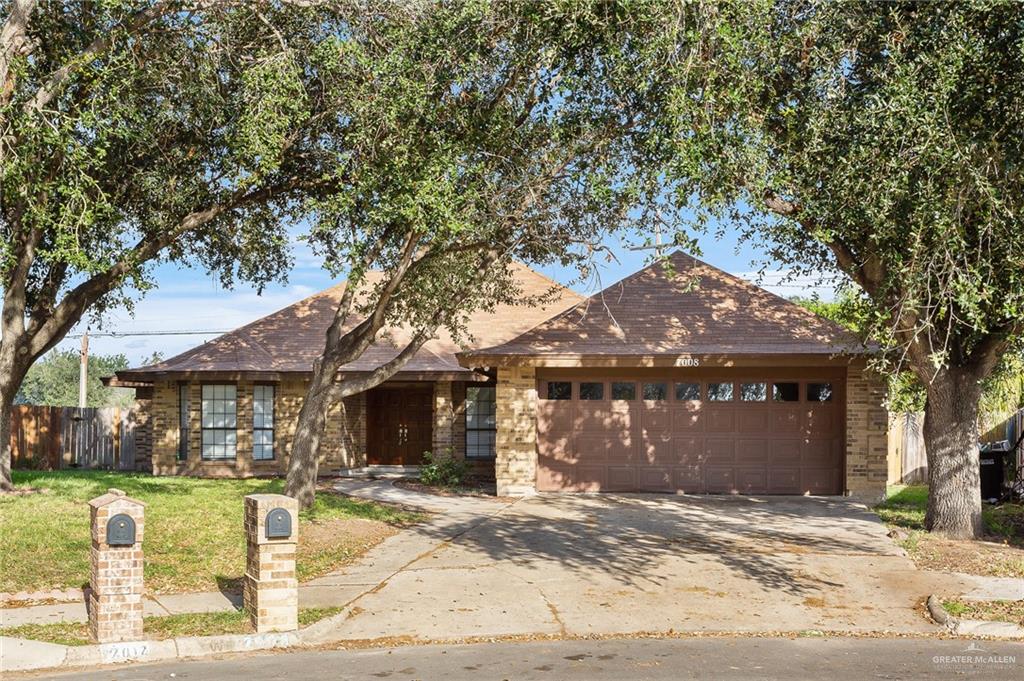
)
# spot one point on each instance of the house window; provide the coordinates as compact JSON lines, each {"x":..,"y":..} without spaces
{"x":220,"y":420}
{"x":819,"y":392}
{"x":263,"y":422}
{"x":655,"y":391}
{"x":720,"y":392}
{"x":481,"y":423}
{"x":786,"y":392}
{"x":591,"y":391}
{"x":183,"y":422}
{"x":623,"y":391}
{"x":687,"y":392}
{"x":753,"y":392}
{"x":559,"y":390}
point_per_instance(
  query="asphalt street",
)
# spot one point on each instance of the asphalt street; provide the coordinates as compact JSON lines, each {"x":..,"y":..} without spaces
{"x":834,"y":659}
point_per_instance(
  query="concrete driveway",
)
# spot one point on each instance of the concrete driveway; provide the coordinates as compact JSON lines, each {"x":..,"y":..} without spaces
{"x":615,"y":564}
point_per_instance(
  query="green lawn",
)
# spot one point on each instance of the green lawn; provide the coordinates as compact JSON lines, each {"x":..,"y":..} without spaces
{"x":157,"y":628}
{"x":906,"y":505}
{"x":194,"y":539}
{"x":1001,"y":554}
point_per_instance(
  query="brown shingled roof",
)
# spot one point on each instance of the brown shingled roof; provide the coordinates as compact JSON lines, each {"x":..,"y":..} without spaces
{"x":701,"y":310}
{"x":289,"y":340}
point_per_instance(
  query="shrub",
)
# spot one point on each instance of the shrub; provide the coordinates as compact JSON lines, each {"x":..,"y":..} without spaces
{"x":442,"y":469}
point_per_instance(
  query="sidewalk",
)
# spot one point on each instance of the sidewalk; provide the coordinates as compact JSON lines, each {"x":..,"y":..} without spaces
{"x":333,"y":590}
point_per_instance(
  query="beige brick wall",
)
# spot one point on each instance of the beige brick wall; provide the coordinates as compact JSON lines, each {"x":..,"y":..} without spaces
{"x":344,"y":443}
{"x":141,"y":416}
{"x":459,"y":422}
{"x":867,"y":446}
{"x":115,"y":573}
{"x":516,"y":442}
{"x":444,"y":417}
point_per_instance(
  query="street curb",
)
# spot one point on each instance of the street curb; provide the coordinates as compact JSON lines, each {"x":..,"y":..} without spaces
{"x":153,"y":651}
{"x":959,"y":627}
{"x":939,"y":614}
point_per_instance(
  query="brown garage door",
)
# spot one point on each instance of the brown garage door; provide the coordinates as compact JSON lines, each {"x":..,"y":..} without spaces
{"x":716,"y":435}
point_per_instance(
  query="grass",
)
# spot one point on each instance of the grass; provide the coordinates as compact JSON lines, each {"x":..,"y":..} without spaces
{"x":906,"y":505}
{"x":157,"y":628}
{"x":1001,"y":553}
{"x":990,"y":611}
{"x":194,"y":539}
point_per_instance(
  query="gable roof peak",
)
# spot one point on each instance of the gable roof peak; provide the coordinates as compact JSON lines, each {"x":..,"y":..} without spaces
{"x":681,"y":305}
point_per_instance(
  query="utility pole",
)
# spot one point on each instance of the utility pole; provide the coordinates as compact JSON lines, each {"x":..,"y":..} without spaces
{"x":658,"y":247}
{"x":83,"y":371}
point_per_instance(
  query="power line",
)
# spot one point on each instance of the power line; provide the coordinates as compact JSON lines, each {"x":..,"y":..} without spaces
{"x":125,"y":334}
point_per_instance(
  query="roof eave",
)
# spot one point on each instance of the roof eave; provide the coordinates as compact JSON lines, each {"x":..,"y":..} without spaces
{"x":141,"y":379}
{"x":668,"y":359}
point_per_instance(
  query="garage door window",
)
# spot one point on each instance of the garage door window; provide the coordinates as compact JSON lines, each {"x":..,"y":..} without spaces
{"x":591,"y":391}
{"x":687,"y":392}
{"x":559,"y":390}
{"x":753,"y":392}
{"x":655,"y":391}
{"x":623,"y":391}
{"x":786,"y":392}
{"x":819,"y":392}
{"x":720,"y":392}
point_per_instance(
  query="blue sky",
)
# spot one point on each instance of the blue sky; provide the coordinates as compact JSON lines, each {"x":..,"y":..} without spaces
{"x":191,"y":300}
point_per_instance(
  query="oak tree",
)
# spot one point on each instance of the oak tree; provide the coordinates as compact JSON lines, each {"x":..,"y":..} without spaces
{"x":134,"y":132}
{"x":885,"y":140}
{"x":473,"y":134}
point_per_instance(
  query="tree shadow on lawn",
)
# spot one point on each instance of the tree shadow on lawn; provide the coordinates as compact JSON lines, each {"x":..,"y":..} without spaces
{"x":630,"y":537}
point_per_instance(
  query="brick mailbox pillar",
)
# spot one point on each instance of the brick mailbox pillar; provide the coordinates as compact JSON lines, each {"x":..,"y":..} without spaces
{"x":115,"y":601}
{"x":271,"y":585}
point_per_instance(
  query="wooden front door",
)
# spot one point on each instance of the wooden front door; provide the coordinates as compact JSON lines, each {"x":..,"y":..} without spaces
{"x":399,"y":425}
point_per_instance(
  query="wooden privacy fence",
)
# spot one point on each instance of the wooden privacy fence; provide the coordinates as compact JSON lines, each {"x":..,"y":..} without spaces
{"x":908,"y":460}
{"x":51,"y":438}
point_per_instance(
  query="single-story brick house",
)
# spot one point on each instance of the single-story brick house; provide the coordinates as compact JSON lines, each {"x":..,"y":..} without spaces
{"x":680,"y":380}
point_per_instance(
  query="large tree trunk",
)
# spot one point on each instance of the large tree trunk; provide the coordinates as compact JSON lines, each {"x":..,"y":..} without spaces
{"x":12,"y":373}
{"x":305,"y":453}
{"x":6,"y":483}
{"x":951,"y":440}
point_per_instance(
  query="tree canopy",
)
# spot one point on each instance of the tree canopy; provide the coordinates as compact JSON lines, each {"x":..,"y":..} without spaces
{"x":885,"y":140}
{"x":473,"y":134}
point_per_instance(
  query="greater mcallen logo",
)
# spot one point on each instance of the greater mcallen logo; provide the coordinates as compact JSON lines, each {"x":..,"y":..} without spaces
{"x":974,"y":656}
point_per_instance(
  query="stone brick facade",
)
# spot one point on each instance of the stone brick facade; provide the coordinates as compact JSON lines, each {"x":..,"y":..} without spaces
{"x":344,"y":443}
{"x":515,"y":468}
{"x":867,"y":426}
{"x":444,"y":417}
{"x":271,"y":588}
{"x":115,"y":576}
{"x":141,"y":416}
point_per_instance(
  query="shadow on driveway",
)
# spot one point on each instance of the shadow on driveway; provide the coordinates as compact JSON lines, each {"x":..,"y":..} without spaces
{"x":629,"y":537}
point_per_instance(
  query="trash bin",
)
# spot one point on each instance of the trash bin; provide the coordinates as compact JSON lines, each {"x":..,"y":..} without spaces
{"x":993,"y":470}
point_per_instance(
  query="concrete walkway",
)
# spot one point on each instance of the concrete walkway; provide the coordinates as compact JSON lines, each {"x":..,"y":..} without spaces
{"x":332,"y":590}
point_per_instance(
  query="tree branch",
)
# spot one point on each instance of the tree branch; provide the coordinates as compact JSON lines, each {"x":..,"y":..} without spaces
{"x":46,"y":333}
{"x":49,"y":89}
{"x":865,"y":271}
{"x":13,"y":41}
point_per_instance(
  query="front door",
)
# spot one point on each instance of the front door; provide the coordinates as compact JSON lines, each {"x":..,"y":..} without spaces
{"x":399,"y":425}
